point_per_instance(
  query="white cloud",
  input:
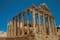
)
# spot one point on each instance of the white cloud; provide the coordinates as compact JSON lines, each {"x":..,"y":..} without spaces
{"x":59,"y":26}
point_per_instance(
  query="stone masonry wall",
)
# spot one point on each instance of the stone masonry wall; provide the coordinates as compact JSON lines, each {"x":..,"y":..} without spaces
{"x":34,"y":37}
{"x":26,"y":37}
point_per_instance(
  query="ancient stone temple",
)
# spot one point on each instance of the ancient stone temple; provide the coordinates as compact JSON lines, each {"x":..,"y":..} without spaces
{"x":33,"y":20}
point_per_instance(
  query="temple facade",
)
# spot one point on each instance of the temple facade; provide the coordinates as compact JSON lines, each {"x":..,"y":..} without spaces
{"x":33,"y":20}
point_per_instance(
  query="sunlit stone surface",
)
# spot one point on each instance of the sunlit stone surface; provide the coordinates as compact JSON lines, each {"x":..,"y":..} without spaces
{"x":42,"y":25}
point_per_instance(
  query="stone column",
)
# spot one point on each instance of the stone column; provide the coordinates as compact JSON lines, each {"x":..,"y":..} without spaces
{"x":27,"y":17}
{"x":28,"y":20}
{"x":44,"y":28}
{"x":13,"y":26}
{"x":33,"y":15}
{"x":49,"y":24}
{"x":39,"y":27}
{"x":22,"y":23}
{"x":18,"y":25}
{"x":21,"y":26}
{"x":53,"y":26}
{"x":55,"y":29}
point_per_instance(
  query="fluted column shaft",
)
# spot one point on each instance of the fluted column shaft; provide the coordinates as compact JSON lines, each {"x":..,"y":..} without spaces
{"x":22,"y":24}
{"x":28,"y":19}
{"x":33,"y":15}
{"x":52,"y":25}
{"x":49,"y":24}
{"x":13,"y":26}
{"x":44,"y":28}
{"x":18,"y":25}
{"x":54,"y":28}
{"x":39,"y":27}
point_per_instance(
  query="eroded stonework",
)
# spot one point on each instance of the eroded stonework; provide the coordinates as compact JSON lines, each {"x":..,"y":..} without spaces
{"x":37,"y":21}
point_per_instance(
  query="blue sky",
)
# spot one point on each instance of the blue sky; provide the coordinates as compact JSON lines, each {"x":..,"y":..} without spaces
{"x":9,"y":8}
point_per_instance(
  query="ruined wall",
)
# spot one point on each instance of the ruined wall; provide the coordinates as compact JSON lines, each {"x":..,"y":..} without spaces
{"x":26,"y":37}
{"x":34,"y":37}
